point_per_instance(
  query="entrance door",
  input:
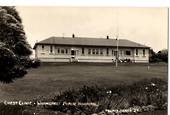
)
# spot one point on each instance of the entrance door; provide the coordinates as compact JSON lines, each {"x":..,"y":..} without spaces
{"x":73,"y":56}
{"x":73,"y":52}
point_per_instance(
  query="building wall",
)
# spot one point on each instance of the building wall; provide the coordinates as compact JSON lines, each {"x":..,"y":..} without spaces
{"x":142,"y":56}
{"x":47,"y":53}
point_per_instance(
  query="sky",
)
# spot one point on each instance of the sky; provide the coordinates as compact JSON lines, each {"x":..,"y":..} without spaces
{"x":147,"y":26}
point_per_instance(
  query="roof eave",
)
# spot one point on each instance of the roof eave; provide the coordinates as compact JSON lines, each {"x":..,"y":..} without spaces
{"x":35,"y":46}
{"x":88,"y":45}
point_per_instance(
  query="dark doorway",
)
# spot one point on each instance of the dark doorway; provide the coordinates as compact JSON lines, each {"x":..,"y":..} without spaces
{"x":73,"y":52}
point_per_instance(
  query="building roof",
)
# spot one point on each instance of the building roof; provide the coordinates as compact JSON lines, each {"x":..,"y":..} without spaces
{"x":82,"y":41}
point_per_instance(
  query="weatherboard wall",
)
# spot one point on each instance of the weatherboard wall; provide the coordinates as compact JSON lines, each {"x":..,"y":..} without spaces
{"x":45,"y":54}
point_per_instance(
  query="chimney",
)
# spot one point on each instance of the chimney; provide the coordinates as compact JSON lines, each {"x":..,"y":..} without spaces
{"x":73,"y":36}
{"x":107,"y":37}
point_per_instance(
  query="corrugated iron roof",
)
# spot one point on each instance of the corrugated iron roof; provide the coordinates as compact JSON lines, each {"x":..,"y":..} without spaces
{"x":82,"y":41}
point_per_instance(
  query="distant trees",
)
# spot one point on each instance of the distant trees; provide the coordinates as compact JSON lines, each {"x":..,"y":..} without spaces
{"x":161,"y":56}
{"x":14,"y":48}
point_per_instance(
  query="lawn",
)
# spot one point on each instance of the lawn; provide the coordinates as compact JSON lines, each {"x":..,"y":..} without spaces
{"x":48,"y":80}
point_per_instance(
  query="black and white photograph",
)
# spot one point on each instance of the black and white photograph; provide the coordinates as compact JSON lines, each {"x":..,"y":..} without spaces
{"x":74,"y":60}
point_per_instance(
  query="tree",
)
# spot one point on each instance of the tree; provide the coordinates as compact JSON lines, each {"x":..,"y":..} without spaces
{"x":14,"y":49}
{"x":161,"y":56}
{"x":153,"y":56}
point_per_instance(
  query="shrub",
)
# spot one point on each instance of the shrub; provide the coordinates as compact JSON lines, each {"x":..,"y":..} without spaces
{"x":35,"y":63}
{"x":143,"y":93}
{"x":30,"y":63}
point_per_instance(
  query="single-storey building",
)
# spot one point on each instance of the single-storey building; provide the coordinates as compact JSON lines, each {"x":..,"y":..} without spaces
{"x":81,"y":49}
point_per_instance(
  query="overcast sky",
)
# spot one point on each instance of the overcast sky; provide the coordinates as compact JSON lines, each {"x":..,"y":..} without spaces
{"x":147,"y":26}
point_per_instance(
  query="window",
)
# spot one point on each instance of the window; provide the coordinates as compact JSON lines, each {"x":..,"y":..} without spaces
{"x":58,"y":50}
{"x":66,"y":51}
{"x":143,"y":52}
{"x":89,"y":51}
{"x":97,"y":51}
{"x":112,"y":52}
{"x":51,"y":49}
{"x":121,"y":52}
{"x":115,"y":53}
{"x":128,"y":53}
{"x":136,"y":51}
{"x":82,"y":51}
{"x":73,"y":52}
{"x":42,"y":47}
{"x":101,"y":51}
{"x":62,"y":51}
{"x":93,"y":51}
{"x":107,"y":51}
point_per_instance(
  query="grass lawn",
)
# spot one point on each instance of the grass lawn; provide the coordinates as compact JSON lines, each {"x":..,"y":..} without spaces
{"x":51,"y":79}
